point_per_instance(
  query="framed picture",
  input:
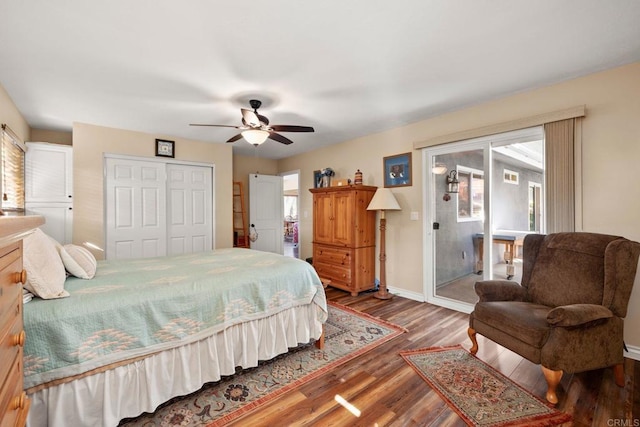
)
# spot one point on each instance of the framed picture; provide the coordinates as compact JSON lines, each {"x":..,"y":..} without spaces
{"x":317,"y":179}
{"x":397,"y":170}
{"x":165,"y":148}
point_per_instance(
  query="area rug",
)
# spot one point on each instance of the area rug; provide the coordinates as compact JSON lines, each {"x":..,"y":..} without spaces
{"x":348,"y":334}
{"x":481,"y":395}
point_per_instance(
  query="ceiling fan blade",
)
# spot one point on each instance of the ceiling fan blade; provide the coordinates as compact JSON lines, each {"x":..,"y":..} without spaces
{"x":280,"y":138}
{"x":250,"y":118}
{"x":235,"y":138}
{"x":218,"y":126}
{"x":290,"y":128}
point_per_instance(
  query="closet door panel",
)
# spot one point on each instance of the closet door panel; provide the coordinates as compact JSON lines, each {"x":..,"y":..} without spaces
{"x":135,"y":202}
{"x":190,"y":208}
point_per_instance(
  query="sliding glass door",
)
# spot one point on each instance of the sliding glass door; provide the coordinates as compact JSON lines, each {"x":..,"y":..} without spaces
{"x":481,"y":197}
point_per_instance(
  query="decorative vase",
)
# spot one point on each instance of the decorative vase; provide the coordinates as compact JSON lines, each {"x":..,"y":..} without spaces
{"x":326,"y":181}
{"x":358,"y":178}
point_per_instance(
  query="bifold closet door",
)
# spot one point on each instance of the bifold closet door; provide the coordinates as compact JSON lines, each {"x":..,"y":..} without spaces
{"x":189,"y":201}
{"x":135,"y":204}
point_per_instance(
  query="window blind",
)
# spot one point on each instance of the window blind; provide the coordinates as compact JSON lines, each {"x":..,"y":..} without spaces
{"x":11,"y":171}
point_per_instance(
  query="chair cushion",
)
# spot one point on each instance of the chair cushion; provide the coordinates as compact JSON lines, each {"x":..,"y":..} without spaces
{"x":524,"y":321}
{"x":569,"y":269}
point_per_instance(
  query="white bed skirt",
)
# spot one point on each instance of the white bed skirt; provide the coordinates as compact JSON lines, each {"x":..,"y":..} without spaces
{"x":103,"y":399}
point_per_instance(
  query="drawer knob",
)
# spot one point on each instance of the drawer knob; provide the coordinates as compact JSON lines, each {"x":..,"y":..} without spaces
{"x":18,"y":339}
{"x":20,"y":277}
{"x":19,"y":401}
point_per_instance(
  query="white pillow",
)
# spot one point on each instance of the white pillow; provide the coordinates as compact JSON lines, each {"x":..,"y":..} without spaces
{"x":45,"y":271}
{"x":78,"y":261}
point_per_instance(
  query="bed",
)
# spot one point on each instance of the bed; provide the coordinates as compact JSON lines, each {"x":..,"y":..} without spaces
{"x":146,"y":330}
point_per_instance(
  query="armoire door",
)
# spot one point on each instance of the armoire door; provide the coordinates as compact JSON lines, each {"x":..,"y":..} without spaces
{"x":135,"y":205}
{"x":189,"y":205}
{"x":343,"y":218}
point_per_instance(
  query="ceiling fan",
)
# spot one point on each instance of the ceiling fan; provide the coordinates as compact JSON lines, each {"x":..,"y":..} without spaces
{"x":256,"y":129}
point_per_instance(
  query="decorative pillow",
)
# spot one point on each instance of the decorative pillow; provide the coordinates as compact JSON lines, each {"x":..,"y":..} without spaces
{"x":78,"y":261}
{"x":45,"y":271}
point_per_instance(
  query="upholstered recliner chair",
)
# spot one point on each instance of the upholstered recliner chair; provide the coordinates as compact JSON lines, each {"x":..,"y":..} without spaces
{"x":567,"y":315}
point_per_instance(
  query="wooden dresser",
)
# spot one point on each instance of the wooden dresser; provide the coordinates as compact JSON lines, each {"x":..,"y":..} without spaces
{"x":344,"y":237}
{"x":14,"y":404}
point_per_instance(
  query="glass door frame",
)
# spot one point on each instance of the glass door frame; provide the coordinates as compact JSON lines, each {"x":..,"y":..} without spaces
{"x":485,"y":143}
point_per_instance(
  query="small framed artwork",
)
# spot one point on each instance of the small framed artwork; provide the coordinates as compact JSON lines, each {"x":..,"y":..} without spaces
{"x":397,"y":170}
{"x":317,"y":179}
{"x":165,"y":148}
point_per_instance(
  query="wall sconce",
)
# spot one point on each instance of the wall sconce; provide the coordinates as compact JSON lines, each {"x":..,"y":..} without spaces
{"x":452,"y":182}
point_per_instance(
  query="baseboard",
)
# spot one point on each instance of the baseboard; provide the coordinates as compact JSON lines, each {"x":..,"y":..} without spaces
{"x":633,"y":353}
{"x":406,"y":294}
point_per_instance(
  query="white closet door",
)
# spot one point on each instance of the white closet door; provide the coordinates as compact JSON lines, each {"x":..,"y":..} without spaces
{"x":135,"y":208}
{"x":189,"y":201}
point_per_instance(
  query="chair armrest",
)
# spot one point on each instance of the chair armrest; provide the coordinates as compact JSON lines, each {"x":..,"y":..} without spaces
{"x":500,"y":290}
{"x":577,"y":314}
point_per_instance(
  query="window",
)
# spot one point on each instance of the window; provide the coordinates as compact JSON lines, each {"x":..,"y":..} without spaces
{"x":511,"y":177}
{"x":291,"y":207}
{"x":12,"y":171}
{"x":471,"y":194}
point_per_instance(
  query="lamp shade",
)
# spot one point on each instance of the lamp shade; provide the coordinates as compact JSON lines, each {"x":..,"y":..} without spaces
{"x":439,"y":169}
{"x":383,"y":200}
{"x":255,"y":136}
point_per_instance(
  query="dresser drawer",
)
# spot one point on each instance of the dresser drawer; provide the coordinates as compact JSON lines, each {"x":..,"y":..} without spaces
{"x":10,"y":287}
{"x":13,"y":400}
{"x":337,"y":273}
{"x":12,"y":339}
{"x":332,"y":255}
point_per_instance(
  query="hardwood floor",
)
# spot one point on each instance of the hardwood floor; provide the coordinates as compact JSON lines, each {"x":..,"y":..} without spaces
{"x":390,"y":393}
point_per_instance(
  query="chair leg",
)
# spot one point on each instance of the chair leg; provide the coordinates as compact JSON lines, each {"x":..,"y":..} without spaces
{"x":474,"y":341}
{"x":553,"y":379}
{"x":618,"y":374}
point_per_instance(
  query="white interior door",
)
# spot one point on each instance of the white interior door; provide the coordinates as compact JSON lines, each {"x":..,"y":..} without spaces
{"x":266,"y":212}
{"x":189,"y":199}
{"x":135,"y":204}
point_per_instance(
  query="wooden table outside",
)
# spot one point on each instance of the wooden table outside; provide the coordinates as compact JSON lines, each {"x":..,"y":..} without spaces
{"x":509,"y":252}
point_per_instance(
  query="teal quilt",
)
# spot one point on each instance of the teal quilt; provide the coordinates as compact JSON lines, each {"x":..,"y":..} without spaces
{"x":137,"y":307}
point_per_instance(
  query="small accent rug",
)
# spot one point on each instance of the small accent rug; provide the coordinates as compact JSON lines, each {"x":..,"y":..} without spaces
{"x":481,"y":395}
{"x":348,"y":334}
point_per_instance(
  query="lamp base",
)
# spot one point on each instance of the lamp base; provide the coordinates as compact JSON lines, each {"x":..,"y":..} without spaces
{"x":382,"y":295}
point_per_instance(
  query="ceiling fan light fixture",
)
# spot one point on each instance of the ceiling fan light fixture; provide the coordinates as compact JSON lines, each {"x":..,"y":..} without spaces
{"x":255,"y":136}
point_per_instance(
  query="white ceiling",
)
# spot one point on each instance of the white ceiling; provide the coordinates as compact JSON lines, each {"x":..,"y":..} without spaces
{"x":347,"y":68}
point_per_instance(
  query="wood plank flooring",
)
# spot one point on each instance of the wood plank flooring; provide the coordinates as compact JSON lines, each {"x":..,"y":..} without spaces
{"x":389,"y":393}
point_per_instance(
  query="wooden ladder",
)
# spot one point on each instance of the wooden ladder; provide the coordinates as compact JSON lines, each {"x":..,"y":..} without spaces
{"x":240,"y":233}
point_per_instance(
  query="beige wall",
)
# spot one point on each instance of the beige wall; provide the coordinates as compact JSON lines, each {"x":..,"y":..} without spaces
{"x":89,"y":144}
{"x":10,"y":116}
{"x":52,"y":136}
{"x":610,"y":158}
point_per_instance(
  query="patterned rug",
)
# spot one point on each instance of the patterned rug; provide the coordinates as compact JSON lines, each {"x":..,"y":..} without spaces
{"x":481,"y":395}
{"x":348,"y":334}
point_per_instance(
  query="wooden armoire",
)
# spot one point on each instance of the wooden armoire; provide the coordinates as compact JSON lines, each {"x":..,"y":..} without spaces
{"x":344,"y":237}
